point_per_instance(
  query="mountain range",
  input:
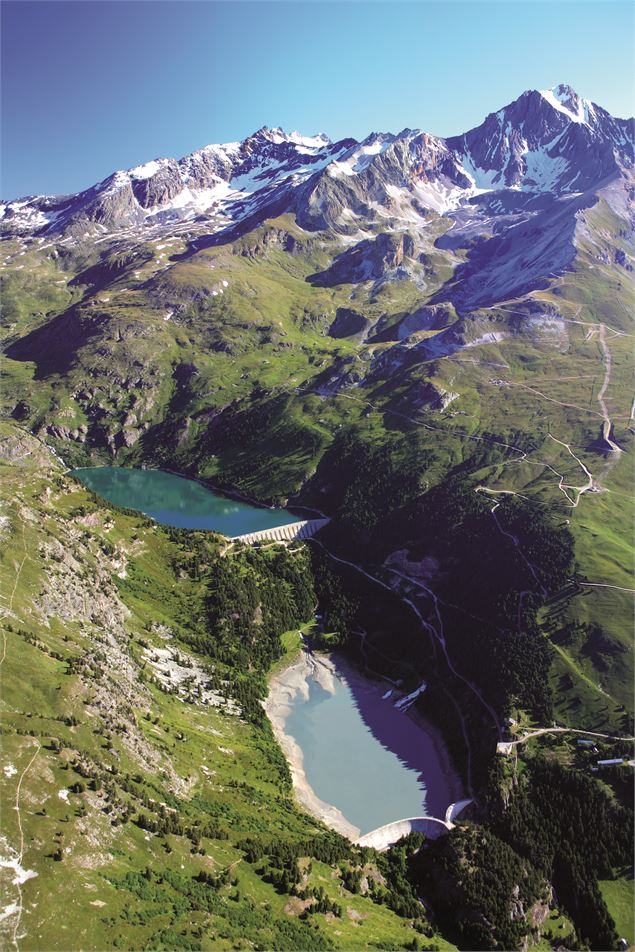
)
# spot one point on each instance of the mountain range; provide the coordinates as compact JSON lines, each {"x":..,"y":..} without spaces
{"x":512,"y":190}
{"x":551,"y":142}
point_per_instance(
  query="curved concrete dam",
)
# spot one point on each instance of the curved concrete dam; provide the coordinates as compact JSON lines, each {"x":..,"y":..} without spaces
{"x":360,"y":760}
{"x":431,"y":826}
{"x":385,"y":836}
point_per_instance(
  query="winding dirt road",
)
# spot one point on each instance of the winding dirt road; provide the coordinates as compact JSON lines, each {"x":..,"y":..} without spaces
{"x":505,"y":747}
{"x":607,"y":379}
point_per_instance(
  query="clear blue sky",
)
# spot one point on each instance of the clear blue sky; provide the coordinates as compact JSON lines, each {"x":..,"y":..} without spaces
{"x":89,"y":87}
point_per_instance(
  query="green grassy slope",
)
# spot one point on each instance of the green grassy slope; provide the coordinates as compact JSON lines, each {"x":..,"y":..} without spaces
{"x":620,"y":900}
{"x":91,"y":743}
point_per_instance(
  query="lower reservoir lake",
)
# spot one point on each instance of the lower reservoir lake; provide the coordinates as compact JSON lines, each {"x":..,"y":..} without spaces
{"x":351,"y":748}
{"x":177,"y":501}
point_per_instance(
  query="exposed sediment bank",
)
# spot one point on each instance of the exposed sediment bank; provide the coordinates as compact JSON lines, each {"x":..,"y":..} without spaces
{"x":283,"y":688}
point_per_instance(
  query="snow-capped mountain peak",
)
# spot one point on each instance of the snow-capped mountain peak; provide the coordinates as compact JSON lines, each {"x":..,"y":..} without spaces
{"x":277,"y":136}
{"x":544,"y":142}
{"x":547,"y":141}
{"x":148,"y":169}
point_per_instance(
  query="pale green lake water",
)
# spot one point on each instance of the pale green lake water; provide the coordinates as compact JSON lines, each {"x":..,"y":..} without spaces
{"x":367,"y":758}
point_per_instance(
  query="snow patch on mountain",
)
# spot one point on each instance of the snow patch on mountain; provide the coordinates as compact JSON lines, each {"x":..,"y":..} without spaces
{"x":148,"y":169}
{"x":277,"y":136}
{"x":483,"y":180}
{"x":309,"y":142}
{"x":439,"y":196}
{"x":565,"y":100}
{"x":21,"y":216}
{"x":361,"y":156}
{"x":542,"y":170}
{"x":195,"y":201}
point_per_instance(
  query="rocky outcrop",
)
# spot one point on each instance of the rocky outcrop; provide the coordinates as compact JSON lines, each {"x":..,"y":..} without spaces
{"x":263,"y":240}
{"x":345,"y":372}
{"x":115,"y":206}
{"x":426,"y":318}
{"x":159,"y":188}
{"x":77,"y":434}
{"x":368,"y":260}
{"x":429,"y":396}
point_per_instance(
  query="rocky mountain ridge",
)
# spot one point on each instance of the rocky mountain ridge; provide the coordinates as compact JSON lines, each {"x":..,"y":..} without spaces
{"x":550,"y":143}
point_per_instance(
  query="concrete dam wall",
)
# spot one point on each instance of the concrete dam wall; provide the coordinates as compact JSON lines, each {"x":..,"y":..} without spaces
{"x":293,"y":530}
{"x":431,"y":826}
{"x":385,"y":836}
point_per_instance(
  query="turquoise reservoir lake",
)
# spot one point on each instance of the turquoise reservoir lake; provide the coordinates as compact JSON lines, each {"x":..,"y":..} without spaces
{"x":177,"y":501}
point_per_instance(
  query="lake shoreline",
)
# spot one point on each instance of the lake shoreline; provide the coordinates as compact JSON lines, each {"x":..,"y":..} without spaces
{"x":326,"y":669}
